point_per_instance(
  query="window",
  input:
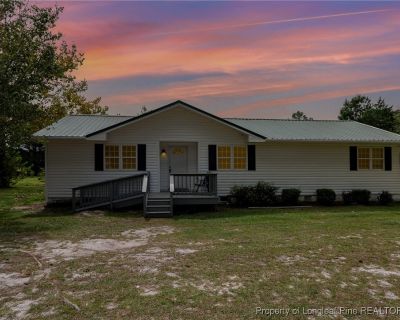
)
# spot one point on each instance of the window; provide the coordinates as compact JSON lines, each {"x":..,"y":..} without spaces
{"x":239,"y":157}
{"x":128,"y":157}
{"x":120,"y":157}
{"x":377,"y":158}
{"x":224,"y":157}
{"x":232,"y":157}
{"x":370,"y":158}
{"x":112,"y":157}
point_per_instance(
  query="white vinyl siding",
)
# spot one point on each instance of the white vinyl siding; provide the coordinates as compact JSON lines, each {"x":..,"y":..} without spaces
{"x":304,"y":165}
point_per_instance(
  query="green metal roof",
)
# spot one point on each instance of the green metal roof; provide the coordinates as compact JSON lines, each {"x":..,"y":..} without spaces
{"x":83,"y":126}
{"x":78,"y":126}
{"x":316,"y":130}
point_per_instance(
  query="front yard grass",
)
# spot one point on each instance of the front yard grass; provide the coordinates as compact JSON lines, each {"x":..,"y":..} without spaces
{"x":214,"y":265}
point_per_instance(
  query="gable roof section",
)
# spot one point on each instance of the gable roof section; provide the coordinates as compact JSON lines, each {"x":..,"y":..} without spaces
{"x":84,"y":126}
{"x":316,"y":130}
{"x":171,"y":105}
{"x":78,"y":126}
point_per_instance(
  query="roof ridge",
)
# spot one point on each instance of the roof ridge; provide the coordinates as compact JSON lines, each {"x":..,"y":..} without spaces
{"x":294,"y":120}
{"x":98,"y":115}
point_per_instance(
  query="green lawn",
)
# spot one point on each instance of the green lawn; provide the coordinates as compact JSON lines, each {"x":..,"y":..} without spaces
{"x":216,"y":265}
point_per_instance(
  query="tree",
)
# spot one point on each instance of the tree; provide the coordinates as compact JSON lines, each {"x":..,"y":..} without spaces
{"x":397,"y":121}
{"x":143,"y":110}
{"x":37,"y":84}
{"x":362,"y":109}
{"x":299,"y":115}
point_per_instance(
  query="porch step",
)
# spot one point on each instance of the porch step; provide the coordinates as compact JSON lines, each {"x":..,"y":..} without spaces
{"x":158,"y":202}
{"x":158,"y":214}
{"x":158,"y":206}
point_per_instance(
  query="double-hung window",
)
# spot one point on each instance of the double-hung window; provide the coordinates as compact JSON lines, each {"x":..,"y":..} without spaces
{"x":111,"y":157}
{"x":129,"y":157}
{"x":120,"y":157}
{"x":232,"y":157}
{"x":370,"y":158}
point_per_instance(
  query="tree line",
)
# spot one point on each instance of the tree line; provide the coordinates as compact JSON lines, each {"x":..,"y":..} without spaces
{"x":37,"y":83}
{"x":362,"y":109}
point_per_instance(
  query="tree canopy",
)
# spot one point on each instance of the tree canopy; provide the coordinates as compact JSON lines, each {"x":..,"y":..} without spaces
{"x":37,"y":81}
{"x":362,"y":109}
{"x":299,"y":115}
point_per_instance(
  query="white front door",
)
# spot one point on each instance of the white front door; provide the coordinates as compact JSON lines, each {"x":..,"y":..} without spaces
{"x":178,"y":159}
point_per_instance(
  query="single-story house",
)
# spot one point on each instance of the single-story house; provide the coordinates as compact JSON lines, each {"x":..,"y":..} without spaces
{"x":180,"y":154}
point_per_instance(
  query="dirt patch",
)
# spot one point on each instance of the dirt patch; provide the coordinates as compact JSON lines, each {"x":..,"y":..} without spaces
{"x":149,"y":290}
{"x":14,"y":279}
{"x":54,"y":251}
{"x":391,"y":296}
{"x":384,"y":284}
{"x":111,"y":306}
{"x":184,"y":251}
{"x":351,"y":236}
{"x":91,"y":213}
{"x":326,"y":274}
{"x":172,"y":274}
{"x":327,"y":293}
{"x":291,"y":260}
{"x":32,"y":208}
{"x":376,"y":270}
{"x":20,"y":307}
{"x":225,"y":288}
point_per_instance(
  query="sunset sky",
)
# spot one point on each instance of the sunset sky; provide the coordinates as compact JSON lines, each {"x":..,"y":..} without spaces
{"x":237,"y":59}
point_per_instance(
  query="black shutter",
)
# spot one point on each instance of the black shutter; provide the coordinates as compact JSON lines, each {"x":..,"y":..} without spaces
{"x":141,"y":157}
{"x":98,"y":157}
{"x":388,"y":158}
{"x":251,"y":157}
{"x":353,"y":158}
{"x":212,"y":157}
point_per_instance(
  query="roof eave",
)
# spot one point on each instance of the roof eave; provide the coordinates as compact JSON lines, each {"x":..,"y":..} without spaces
{"x":332,"y":140}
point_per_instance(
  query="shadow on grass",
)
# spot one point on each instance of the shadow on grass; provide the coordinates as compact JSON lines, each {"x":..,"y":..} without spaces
{"x":50,"y":212}
{"x":223,"y":213}
{"x":18,"y":227}
{"x":312,"y":212}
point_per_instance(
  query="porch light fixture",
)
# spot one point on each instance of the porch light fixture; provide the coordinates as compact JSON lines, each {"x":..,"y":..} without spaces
{"x":163,"y":153}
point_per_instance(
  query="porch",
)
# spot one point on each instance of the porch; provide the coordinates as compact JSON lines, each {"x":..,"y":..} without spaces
{"x":184,"y":189}
{"x":194,"y":189}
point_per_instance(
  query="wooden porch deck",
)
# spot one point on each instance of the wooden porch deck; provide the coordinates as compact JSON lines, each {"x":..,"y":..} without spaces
{"x":185,"y":189}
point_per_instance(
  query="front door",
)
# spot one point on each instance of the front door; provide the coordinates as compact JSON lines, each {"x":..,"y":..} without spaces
{"x":178,"y":159}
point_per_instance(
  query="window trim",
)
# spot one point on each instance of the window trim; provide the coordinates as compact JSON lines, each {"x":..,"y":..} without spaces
{"x":370,"y":158}
{"x":232,"y":157}
{"x":120,"y":157}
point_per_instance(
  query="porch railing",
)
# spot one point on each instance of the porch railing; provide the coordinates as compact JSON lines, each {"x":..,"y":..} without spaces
{"x":109,"y":192}
{"x":194,"y":184}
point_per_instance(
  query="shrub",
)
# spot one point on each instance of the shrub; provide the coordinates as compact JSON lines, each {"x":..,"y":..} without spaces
{"x":290,"y":196}
{"x":347,"y":197}
{"x":384,"y":198}
{"x":240,"y":196}
{"x":361,"y":196}
{"x":264,"y":194}
{"x":326,"y":197}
